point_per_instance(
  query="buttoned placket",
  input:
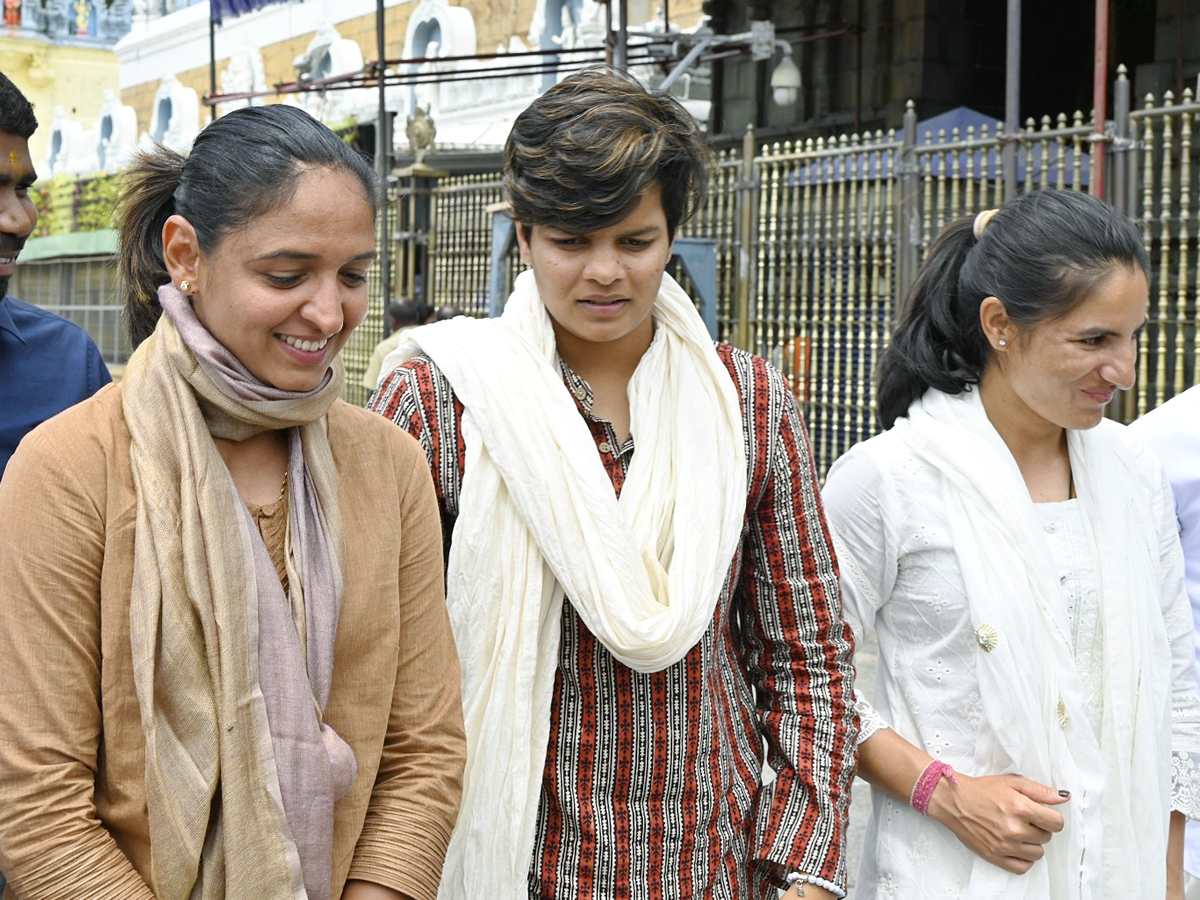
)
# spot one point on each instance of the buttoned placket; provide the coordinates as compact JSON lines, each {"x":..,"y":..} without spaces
{"x":604,"y":434}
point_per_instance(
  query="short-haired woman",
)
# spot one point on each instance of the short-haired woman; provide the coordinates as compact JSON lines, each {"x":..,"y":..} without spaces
{"x":1035,"y":730}
{"x":228,"y":670}
{"x":640,"y":577}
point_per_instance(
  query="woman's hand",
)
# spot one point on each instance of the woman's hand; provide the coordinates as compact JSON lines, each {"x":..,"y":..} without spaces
{"x":1006,"y":819}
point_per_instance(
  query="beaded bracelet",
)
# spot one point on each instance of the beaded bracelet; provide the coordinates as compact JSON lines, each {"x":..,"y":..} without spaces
{"x":799,"y":878}
{"x":923,"y":790}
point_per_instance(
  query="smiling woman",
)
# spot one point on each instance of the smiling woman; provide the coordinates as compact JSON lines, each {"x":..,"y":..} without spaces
{"x":1034,"y":730}
{"x":284,"y":292}
{"x":209,"y":683}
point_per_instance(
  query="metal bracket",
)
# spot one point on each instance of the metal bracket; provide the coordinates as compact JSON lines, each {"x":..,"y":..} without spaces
{"x":1124,"y":145}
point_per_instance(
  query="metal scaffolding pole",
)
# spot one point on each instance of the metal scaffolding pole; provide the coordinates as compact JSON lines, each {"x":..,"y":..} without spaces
{"x":1099,"y":98}
{"x":383,"y":153}
{"x":1012,"y":99}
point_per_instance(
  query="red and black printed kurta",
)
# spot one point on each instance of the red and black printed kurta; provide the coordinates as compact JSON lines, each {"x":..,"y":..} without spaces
{"x":652,"y":788}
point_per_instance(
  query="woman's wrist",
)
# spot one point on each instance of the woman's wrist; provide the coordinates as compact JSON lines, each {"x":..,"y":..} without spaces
{"x":928,"y":782}
{"x":942,"y":805}
{"x":803,"y":884}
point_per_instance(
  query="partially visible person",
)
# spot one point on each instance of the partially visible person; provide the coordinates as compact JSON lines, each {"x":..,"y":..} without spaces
{"x":446,"y":312}
{"x":641,"y":581}
{"x":1034,"y":731}
{"x":402,"y":315}
{"x":46,"y":362}
{"x":213,"y":688}
{"x":1173,"y":430}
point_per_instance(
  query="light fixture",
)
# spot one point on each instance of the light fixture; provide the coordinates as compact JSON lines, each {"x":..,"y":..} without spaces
{"x":785,"y":80}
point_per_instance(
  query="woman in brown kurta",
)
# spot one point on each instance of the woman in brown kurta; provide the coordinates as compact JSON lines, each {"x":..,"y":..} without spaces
{"x":227,"y":668}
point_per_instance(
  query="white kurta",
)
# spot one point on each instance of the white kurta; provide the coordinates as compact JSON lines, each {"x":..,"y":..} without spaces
{"x":1173,"y":431}
{"x":901,"y":580}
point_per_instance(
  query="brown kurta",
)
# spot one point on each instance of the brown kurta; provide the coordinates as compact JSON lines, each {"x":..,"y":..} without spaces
{"x":72,"y":759}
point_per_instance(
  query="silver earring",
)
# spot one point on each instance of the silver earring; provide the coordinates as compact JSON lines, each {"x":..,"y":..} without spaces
{"x":1003,"y":342}
{"x":185,"y":286}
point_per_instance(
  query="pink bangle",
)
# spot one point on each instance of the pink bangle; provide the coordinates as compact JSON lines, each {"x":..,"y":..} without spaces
{"x":923,"y":789}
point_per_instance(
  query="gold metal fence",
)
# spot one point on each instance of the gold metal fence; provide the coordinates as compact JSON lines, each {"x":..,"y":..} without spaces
{"x":817,"y":239}
{"x":357,"y":352}
{"x":1166,"y":205}
{"x":460,"y":242}
{"x":823,"y":276}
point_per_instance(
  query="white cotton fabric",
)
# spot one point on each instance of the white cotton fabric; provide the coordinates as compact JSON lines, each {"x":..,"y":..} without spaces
{"x":1173,"y":432}
{"x":948,"y":540}
{"x":539,"y":520}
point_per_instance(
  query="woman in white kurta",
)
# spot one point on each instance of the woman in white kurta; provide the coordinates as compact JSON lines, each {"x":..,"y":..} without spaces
{"x":1036,"y":730}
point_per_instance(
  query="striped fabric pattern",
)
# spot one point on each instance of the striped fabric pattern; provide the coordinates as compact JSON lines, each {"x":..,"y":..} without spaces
{"x":652,"y":783}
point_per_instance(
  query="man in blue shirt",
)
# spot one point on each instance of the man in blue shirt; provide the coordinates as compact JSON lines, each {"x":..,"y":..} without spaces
{"x":46,"y":362}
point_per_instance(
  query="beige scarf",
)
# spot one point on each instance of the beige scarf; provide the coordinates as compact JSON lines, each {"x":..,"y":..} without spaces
{"x":231,"y":674}
{"x":538,"y":519}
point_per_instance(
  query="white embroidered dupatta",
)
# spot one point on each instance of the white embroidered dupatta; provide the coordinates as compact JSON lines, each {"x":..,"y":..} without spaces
{"x":1033,"y":695}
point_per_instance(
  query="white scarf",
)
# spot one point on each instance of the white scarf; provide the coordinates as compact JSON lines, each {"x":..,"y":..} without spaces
{"x":538,"y":520}
{"x":1114,"y":842}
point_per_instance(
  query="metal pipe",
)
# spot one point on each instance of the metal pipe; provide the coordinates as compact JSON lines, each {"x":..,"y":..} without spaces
{"x":608,"y":32}
{"x":1179,"y":49}
{"x":910,"y":214}
{"x":621,"y":56}
{"x":212,"y":63}
{"x":361,"y":79}
{"x":858,"y":70}
{"x":684,"y":64}
{"x":383,"y":152}
{"x":745,"y":238}
{"x":1123,"y":161}
{"x":1012,"y":99}
{"x":1099,"y":98}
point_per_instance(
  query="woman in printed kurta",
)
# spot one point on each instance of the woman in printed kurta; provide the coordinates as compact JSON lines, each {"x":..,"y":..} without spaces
{"x":640,"y":577}
{"x":1034,"y":731}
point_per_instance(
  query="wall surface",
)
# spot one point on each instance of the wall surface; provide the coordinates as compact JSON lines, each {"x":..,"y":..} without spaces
{"x":51,"y":76}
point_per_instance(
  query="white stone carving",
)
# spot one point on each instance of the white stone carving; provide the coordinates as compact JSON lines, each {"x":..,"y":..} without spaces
{"x":243,"y":74}
{"x":175,"y":120}
{"x":329,"y":54}
{"x":116,"y":134}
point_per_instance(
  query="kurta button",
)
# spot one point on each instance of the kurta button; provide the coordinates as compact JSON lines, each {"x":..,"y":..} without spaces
{"x":580,"y":393}
{"x":988,"y":638}
{"x":605,"y":447}
{"x":1050,"y":527}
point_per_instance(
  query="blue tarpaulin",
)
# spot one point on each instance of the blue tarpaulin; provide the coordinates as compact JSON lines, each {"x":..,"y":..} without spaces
{"x":219,"y":9}
{"x":868,"y":161}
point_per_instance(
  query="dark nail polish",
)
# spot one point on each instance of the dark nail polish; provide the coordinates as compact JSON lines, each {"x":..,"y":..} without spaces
{"x":1064,"y":793}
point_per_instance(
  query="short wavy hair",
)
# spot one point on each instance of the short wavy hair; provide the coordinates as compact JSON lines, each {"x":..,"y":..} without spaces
{"x":580,"y":157}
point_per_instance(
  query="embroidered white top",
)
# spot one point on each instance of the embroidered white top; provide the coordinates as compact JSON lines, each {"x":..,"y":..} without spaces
{"x":901,"y":579}
{"x":1173,"y":431}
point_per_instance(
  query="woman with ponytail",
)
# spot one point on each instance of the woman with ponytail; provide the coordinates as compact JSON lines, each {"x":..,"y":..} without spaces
{"x":1035,"y":729}
{"x":228,"y":670}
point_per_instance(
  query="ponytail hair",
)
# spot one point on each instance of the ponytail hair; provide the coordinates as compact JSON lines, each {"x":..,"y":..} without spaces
{"x":146,"y":202}
{"x":1041,"y":255}
{"x":244,"y":165}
